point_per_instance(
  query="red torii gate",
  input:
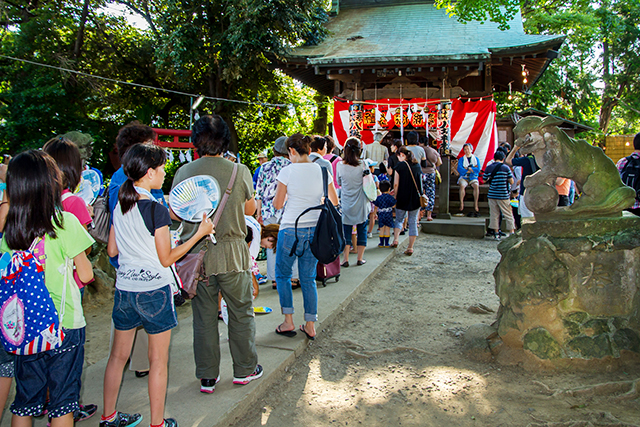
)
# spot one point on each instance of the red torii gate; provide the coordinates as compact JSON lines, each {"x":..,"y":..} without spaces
{"x":176,"y":143}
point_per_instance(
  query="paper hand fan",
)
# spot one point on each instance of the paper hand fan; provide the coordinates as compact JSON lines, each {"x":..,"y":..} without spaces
{"x":90,"y":186}
{"x":194,"y":197}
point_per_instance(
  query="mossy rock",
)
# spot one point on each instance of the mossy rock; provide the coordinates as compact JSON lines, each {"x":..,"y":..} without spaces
{"x":599,"y":326}
{"x":577,"y":316}
{"x":572,"y":328}
{"x":595,"y":347}
{"x":540,"y":342}
{"x":619,"y":323}
{"x":627,"y":339}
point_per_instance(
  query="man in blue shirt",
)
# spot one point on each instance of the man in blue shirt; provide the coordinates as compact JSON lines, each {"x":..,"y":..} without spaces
{"x":499,"y":177}
{"x":529,"y":167}
{"x":469,"y":169}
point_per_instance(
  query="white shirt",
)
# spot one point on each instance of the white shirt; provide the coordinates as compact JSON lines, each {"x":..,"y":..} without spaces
{"x":304,"y":190}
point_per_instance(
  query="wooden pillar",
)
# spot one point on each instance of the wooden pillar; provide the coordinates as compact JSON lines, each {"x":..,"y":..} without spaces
{"x":445,"y":172}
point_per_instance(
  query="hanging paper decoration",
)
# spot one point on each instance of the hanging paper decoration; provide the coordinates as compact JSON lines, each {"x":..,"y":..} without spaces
{"x":170,"y":155}
{"x":182,"y":157}
{"x":189,"y":157}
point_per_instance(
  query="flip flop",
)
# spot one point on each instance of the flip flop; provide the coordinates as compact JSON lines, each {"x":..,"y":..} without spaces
{"x":305,"y":332}
{"x":288,"y":334}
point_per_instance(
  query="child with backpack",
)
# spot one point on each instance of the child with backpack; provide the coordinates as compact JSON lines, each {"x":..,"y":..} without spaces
{"x":55,"y":240}
{"x":140,"y":237}
{"x":67,"y":157}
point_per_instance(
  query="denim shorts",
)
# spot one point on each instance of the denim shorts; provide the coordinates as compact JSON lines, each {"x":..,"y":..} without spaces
{"x":153,"y":310}
{"x":58,"y":371}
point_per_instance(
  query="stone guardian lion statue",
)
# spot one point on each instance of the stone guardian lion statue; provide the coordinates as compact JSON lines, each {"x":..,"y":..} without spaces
{"x":596,"y":177}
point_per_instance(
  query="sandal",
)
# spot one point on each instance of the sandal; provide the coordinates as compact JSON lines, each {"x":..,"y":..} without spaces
{"x":409,"y":252}
{"x":288,"y":334}
{"x":394,"y":245}
{"x":295,"y":284}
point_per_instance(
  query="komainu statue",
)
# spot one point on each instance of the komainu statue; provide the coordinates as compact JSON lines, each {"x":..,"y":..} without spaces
{"x":602,"y":192}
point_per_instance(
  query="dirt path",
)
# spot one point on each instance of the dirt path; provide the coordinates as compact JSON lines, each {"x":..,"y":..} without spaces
{"x":395,"y":358}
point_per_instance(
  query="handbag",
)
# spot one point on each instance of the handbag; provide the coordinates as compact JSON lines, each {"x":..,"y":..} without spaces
{"x":101,"y":223}
{"x":190,"y":268}
{"x":369,"y":185}
{"x":424,"y":200}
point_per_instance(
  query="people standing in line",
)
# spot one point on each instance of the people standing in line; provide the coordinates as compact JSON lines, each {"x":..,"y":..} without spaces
{"x":628,"y":164}
{"x":418,"y":152}
{"x":67,"y":157}
{"x":129,"y":135}
{"x":407,"y":192}
{"x":529,"y":167}
{"x":140,"y":237}
{"x":301,"y":186}
{"x":333,"y":157}
{"x":433,"y":161}
{"x":392,"y":161}
{"x":384,"y":204}
{"x":563,"y":187}
{"x":318,"y":148}
{"x":376,"y":151}
{"x":265,"y":193}
{"x":227,"y":264}
{"x":262,"y":159}
{"x":469,"y":170}
{"x":35,"y":212}
{"x":355,"y":204}
{"x":500,"y":178}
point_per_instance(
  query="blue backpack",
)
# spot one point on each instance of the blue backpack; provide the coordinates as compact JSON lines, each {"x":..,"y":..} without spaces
{"x":29,"y":320}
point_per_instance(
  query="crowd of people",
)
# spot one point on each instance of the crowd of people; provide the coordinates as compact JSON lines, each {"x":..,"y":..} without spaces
{"x":268,"y":209}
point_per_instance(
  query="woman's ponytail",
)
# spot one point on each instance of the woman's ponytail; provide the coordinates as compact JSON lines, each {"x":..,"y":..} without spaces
{"x":138,"y":159}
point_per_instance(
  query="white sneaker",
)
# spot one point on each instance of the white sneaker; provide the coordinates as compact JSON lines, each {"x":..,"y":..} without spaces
{"x":370,"y":235}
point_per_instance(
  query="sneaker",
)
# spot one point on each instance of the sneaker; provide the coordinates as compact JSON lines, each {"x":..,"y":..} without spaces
{"x":501,"y":234}
{"x":84,"y":412}
{"x":246,"y":380}
{"x":496,"y":237}
{"x":170,"y":422}
{"x":262,"y":280}
{"x":208,"y":385}
{"x":370,"y":235}
{"x":123,"y":420}
{"x":490,"y":233}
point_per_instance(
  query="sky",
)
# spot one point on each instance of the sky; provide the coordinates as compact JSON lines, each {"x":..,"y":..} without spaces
{"x":121,"y":10}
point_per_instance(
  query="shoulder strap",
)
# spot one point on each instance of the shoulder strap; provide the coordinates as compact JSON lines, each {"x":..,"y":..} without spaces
{"x":65,"y":196}
{"x":315,"y":159}
{"x":333,"y":159}
{"x":494,"y":172}
{"x":226,"y":195}
{"x":413,"y":178}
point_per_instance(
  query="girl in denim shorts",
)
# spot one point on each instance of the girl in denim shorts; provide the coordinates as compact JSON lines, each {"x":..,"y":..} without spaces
{"x":143,"y":297}
{"x":34,"y":190}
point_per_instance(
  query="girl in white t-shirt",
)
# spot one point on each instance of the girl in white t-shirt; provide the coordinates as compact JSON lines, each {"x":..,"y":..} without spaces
{"x":140,"y":237}
{"x":300,"y":184}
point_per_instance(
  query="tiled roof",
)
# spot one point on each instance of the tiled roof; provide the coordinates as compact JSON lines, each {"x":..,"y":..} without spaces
{"x":415,"y":32}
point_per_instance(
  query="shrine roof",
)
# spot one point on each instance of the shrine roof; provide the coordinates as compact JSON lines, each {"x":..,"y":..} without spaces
{"x":412,"y":33}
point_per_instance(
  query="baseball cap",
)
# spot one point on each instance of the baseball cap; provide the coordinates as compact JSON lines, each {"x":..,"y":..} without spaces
{"x":280,"y":145}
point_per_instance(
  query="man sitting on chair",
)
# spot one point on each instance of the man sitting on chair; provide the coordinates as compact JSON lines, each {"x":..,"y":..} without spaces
{"x":469,"y":169}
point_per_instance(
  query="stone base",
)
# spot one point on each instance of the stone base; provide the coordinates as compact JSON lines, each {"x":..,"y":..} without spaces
{"x":569,"y":291}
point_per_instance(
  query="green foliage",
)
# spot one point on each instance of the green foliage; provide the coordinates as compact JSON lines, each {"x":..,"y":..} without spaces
{"x":218,"y":48}
{"x":498,"y":11}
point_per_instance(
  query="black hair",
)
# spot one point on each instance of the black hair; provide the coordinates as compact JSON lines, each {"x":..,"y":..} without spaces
{"x":330,"y":143}
{"x":300,"y":143}
{"x":636,"y":141}
{"x":211,"y":135}
{"x":136,"y":162}
{"x":499,"y":155}
{"x":67,"y":156}
{"x":352,"y":151}
{"x":382,"y":168}
{"x":408,"y":154}
{"x":318,"y":143}
{"x":34,"y":188}
{"x":412,"y":138}
{"x":384,"y":186}
{"x":249,"y":236}
{"x":131,"y":134}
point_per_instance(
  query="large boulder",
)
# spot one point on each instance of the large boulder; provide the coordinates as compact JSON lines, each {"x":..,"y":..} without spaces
{"x":569,"y":293}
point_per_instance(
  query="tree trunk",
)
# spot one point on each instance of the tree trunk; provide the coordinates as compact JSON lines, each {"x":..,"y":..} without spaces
{"x":80,"y":36}
{"x":320,"y":122}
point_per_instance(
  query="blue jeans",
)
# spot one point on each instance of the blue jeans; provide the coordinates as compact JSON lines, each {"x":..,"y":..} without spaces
{"x":58,"y":371}
{"x":153,"y":310}
{"x":412,"y":223}
{"x":361,"y":229}
{"x":307,"y":270}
